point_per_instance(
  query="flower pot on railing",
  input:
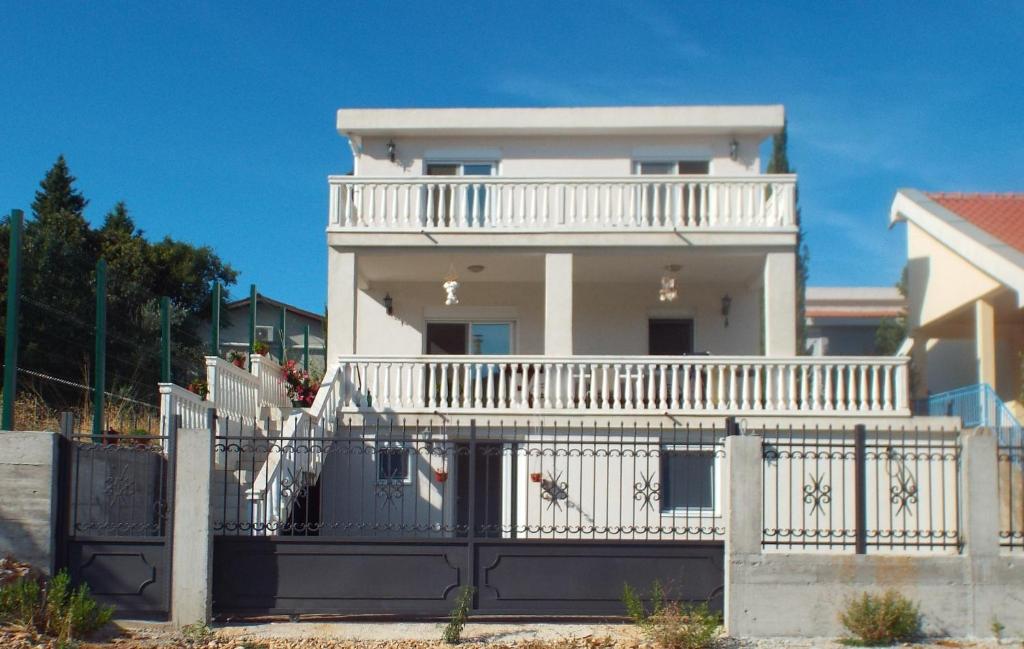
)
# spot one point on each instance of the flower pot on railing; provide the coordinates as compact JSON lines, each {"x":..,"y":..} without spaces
{"x":440,"y":476}
{"x":535,"y":477}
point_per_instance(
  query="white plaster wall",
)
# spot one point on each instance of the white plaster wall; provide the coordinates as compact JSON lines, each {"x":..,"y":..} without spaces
{"x":607,"y":318}
{"x":612,"y":318}
{"x":560,"y":156}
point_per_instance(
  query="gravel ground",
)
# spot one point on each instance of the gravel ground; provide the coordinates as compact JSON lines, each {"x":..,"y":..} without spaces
{"x":396,"y":635}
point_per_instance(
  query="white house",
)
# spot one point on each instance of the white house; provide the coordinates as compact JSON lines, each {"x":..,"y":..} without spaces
{"x":545,"y":329}
{"x":631,"y":259}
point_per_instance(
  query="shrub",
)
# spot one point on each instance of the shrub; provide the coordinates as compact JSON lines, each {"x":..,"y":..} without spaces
{"x":677,"y":626}
{"x":453,"y":632}
{"x":881,"y":619}
{"x":196,"y":632}
{"x":19,"y":603}
{"x":58,"y":609}
{"x":634,"y":603}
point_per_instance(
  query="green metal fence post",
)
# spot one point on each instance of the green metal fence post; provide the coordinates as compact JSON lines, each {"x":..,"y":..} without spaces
{"x":165,"y":340}
{"x":305,"y":348}
{"x":252,"y":322}
{"x":100,"y":353}
{"x":284,"y":334}
{"x":11,"y":340}
{"x":215,"y":320}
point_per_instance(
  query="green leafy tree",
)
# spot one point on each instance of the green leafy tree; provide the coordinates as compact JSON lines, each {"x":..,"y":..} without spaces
{"x":779,"y":164}
{"x":58,"y":291}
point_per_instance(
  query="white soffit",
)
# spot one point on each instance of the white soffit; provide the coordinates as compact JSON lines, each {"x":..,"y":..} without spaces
{"x":763,"y":120}
{"x":992,"y":256}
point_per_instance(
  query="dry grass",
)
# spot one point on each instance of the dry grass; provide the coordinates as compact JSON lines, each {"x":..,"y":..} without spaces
{"x":32,"y":412}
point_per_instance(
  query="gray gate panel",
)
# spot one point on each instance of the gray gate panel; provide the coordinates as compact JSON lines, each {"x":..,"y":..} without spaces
{"x":587,"y":578}
{"x":266,"y":575}
{"x":132,"y":575}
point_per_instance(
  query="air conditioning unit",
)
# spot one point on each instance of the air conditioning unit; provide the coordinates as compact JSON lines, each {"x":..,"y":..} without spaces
{"x":264,"y":333}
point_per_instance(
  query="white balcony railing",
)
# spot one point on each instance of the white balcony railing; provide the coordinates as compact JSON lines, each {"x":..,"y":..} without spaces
{"x":691,"y":384}
{"x":448,"y":203}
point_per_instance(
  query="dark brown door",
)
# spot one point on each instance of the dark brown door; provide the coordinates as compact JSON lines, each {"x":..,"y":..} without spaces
{"x":669,"y":337}
{"x":447,"y":338}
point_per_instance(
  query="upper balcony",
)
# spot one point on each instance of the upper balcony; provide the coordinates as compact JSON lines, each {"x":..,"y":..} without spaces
{"x":468,"y":204}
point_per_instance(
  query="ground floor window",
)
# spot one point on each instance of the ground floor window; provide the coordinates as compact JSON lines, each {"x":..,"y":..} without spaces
{"x":689,"y":482}
{"x":393,"y":463}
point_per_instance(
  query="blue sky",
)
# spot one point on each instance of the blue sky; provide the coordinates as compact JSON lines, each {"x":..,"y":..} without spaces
{"x":215,"y":121}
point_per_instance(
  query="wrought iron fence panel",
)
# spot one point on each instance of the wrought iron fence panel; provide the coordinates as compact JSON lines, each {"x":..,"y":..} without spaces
{"x":119,"y":485}
{"x":1010,"y":454}
{"x":387,"y":479}
{"x":890,"y":490}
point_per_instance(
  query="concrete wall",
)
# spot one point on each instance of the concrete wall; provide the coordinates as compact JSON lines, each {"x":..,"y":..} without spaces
{"x":801,"y":594}
{"x":28,"y":508}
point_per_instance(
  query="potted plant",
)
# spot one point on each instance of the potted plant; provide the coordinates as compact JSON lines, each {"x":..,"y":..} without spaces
{"x":440,"y":475}
{"x":302,"y":387}
{"x":535,"y":476}
{"x":198,"y":386}
{"x":237,"y":358}
{"x":261,"y":348}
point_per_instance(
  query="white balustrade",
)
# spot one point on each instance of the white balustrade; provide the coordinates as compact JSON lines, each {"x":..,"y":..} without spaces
{"x":456,"y":203}
{"x":234,"y":392}
{"x":296,"y":454}
{"x":273,"y":390}
{"x":177,"y":402}
{"x":689,"y":384}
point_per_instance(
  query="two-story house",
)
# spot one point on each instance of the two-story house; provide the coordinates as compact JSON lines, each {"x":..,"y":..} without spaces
{"x":595,"y":258}
{"x":542,"y":326}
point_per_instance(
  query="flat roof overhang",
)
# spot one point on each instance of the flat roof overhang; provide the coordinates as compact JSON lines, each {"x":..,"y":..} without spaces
{"x":761,"y":120}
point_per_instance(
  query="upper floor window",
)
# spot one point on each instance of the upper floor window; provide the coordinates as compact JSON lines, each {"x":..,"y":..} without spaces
{"x":673,"y":168}
{"x":462,"y":203}
{"x":658,"y":202}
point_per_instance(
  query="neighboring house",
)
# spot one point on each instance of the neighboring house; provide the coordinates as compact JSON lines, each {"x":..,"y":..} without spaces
{"x":965,"y":275}
{"x":270,"y":316}
{"x":843,"y":320}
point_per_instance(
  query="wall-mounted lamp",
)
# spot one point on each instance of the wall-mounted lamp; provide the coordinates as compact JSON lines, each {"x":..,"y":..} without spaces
{"x":726,"y":307}
{"x":734,"y":149}
{"x":391,"y":150}
{"x":389,"y":304}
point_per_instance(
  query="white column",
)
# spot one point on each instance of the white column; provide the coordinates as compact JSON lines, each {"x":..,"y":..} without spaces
{"x":985,"y":341}
{"x":192,"y":560}
{"x":780,"y":304}
{"x":558,"y":304}
{"x":341,"y":304}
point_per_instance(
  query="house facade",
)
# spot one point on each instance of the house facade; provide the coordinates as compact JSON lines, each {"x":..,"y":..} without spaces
{"x":280,"y":326}
{"x":965,"y":282}
{"x":630,"y":259}
{"x":844,"y":320}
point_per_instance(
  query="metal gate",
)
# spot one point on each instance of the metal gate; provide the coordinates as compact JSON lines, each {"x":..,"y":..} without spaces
{"x":372,"y":518}
{"x":115,"y":518}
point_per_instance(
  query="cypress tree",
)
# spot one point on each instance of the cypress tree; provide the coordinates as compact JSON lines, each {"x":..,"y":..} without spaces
{"x":779,"y":164}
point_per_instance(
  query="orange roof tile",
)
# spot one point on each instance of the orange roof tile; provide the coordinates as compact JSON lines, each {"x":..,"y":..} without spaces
{"x":1001,"y":215}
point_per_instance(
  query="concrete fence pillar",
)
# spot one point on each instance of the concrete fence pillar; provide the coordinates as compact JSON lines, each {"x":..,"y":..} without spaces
{"x":743,"y":518}
{"x":980,"y":487}
{"x":192,"y":554}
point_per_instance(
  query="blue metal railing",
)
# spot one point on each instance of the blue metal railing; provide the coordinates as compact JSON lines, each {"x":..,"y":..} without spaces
{"x":976,"y":405}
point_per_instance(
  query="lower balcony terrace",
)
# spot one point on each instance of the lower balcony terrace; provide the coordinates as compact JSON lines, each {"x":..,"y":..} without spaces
{"x":684,"y":385}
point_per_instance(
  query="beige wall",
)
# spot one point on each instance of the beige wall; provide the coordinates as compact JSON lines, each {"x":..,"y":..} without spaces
{"x":559,"y":156}
{"x":939,"y":281}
